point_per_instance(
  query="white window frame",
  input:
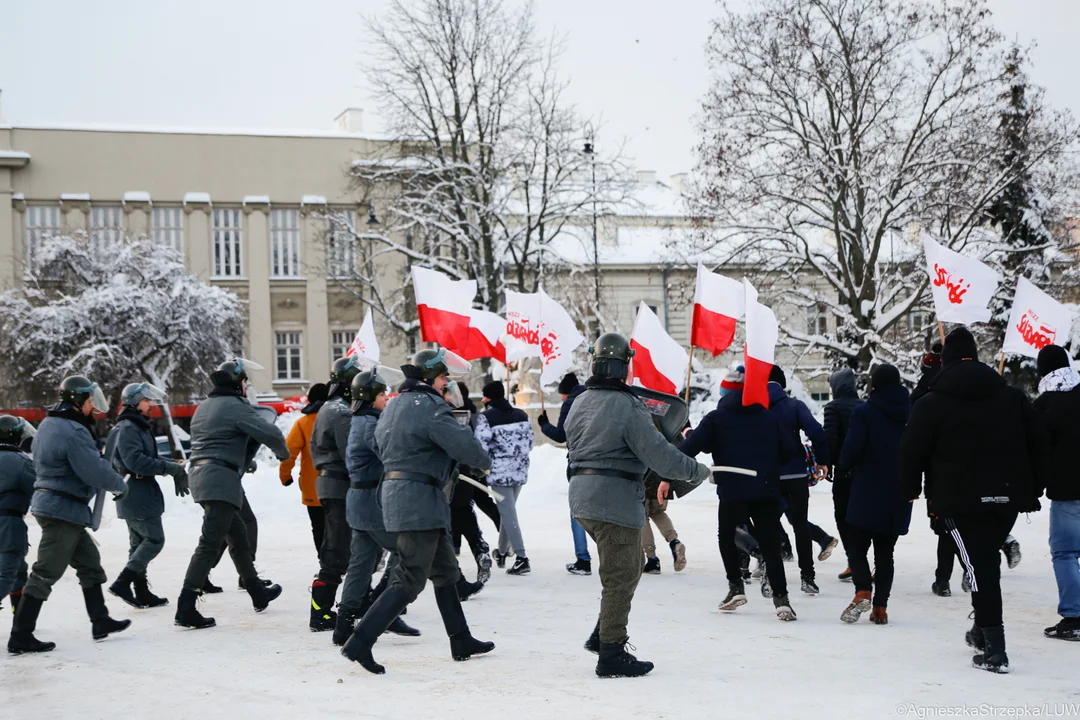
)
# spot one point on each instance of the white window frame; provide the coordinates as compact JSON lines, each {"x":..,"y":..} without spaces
{"x":228,"y":244}
{"x":341,"y":248}
{"x":106,"y":227}
{"x":167,"y":227}
{"x":288,"y":345}
{"x":817,"y":319}
{"x":285,"y":244}
{"x":42,"y":221}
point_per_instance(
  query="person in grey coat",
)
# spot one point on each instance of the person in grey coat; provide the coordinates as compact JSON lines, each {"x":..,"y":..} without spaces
{"x":132,"y":450}
{"x":329,"y":442}
{"x":221,"y":429}
{"x":613,"y":442}
{"x":16,"y":489}
{"x":423,"y":449}
{"x":69,"y":473}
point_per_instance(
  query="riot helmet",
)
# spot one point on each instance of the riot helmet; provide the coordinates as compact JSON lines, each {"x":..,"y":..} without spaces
{"x":341,"y":375}
{"x":135,"y":392}
{"x":15,"y":430}
{"x":611,"y":356}
{"x":369,"y":384}
{"x":427,"y":365}
{"x":77,"y":389}
{"x":232,"y":373}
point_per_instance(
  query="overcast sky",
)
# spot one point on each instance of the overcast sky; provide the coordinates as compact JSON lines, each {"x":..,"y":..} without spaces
{"x":289,"y":65}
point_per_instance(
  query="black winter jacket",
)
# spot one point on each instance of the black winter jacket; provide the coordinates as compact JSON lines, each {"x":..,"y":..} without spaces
{"x":838,"y":420}
{"x":1059,"y":413}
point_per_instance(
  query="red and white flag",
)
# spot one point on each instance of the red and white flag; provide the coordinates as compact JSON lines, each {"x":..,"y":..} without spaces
{"x":962,"y":287}
{"x":537,"y":326}
{"x":659,"y":362}
{"x":1036,"y":320}
{"x":718,"y":304}
{"x":443,"y":306}
{"x":365,"y":344}
{"x":522,"y":329}
{"x":762,"y":332}
{"x":485,"y":337}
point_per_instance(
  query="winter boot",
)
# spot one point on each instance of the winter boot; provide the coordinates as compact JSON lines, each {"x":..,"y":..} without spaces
{"x":467,"y":589}
{"x":373,"y":594}
{"x":1067,"y":629}
{"x":210,"y":588}
{"x":785,"y":551}
{"x":593,"y":643}
{"x":974,"y":638}
{"x":941,"y":588}
{"x":521,"y":567}
{"x":580,"y":567}
{"x":483,"y":567}
{"x":500,"y":559}
{"x":143,"y":594}
{"x":14,"y":599}
{"x":993,"y":658}
{"x":783,"y":607}
{"x":22,"y":638}
{"x":241,"y":586}
{"x":827,"y":548}
{"x":402,"y":628}
{"x":766,"y":586}
{"x":322,"y":618}
{"x":678,"y":551}
{"x":187,"y":615}
{"x":344,"y":624}
{"x":101,"y":625}
{"x":121,"y":588}
{"x":810,"y":587}
{"x":879,"y":615}
{"x":261,"y":595}
{"x":844,"y":576}
{"x":462,"y":644}
{"x":372,"y":625}
{"x":735,"y":598}
{"x":858,"y":606}
{"x":652,"y":566}
{"x":616,"y":662}
{"x":1011,"y":548}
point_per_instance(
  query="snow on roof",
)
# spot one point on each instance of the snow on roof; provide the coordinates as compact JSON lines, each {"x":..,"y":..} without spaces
{"x":75,"y":197}
{"x":14,"y":155}
{"x":185,"y":130}
{"x":256,"y":199}
{"x":634,"y":245}
{"x":313,"y":200}
{"x":136,"y":196}
{"x":18,"y":196}
{"x":197,"y":198}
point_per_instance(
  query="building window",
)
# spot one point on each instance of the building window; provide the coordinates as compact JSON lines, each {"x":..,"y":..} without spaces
{"x":637,"y":308}
{"x":341,"y":248}
{"x":288,"y":356}
{"x":410,"y":344}
{"x":817,"y":321}
{"x":285,"y":243}
{"x":106,"y":227}
{"x":819,"y":396}
{"x":228,"y":233}
{"x":340,"y":341}
{"x":167,"y":227}
{"x":42,"y":221}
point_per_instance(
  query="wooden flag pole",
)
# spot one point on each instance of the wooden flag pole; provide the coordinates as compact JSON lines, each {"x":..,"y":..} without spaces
{"x":941,"y":331}
{"x":689,"y":369}
{"x":1001,"y":364}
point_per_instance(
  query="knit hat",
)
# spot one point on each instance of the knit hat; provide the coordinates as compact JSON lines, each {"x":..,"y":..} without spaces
{"x":734,"y":380}
{"x":777,"y":376}
{"x":1051,"y":358}
{"x":884,"y":375}
{"x":568,"y":383}
{"x":494,"y":391}
{"x":932,"y":359}
{"x":959,"y":345}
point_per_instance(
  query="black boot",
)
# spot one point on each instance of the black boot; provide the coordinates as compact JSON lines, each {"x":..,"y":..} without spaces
{"x":242,"y":586}
{"x":593,"y":643}
{"x":462,"y":644}
{"x":616,"y":662}
{"x":344,"y":625}
{"x":210,"y":588}
{"x":187,"y":615}
{"x":974,"y":638}
{"x":121,"y":588}
{"x":102,"y":626}
{"x":466,"y":589}
{"x":143,"y":594}
{"x":372,"y":625}
{"x":22,"y":638}
{"x":322,"y":599}
{"x":261,"y":595}
{"x":400,"y":627}
{"x":993,"y":657}
{"x":373,"y":594}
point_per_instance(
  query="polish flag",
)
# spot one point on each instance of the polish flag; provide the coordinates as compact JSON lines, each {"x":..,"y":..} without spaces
{"x":365,"y":344}
{"x":762,"y":332}
{"x":718,"y":303}
{"x":443,"y":306}
{"x":485,"y":337}
{"x":659,"y":362}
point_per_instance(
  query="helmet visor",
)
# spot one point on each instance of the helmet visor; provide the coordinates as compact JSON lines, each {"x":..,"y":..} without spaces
{"x":252,"y":396}
{"x":148,"y":392}
{"x":244,"y":365}
{"x":455,"y":364}
{"x":452,"y":395}
{"x":388,"y":376}
{"x":97,"y":397}
{"x":27,"y":430}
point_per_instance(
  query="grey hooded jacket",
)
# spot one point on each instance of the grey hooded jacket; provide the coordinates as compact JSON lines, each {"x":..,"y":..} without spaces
{"x":132,"y":451}
{"x":329,"y":443}
{"x":16,"y":489}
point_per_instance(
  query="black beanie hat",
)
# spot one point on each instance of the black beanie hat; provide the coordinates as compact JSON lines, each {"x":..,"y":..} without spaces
{"x":1051,"y":358}
{"x":494,"y":391}
{"x":959,"y":345}
{"x":884,"y":375}
{"x":777,"y":376}
{"x":568,"y":383}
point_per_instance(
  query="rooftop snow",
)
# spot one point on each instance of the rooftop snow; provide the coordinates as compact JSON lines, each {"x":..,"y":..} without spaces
{"x":136,"y":196}
{"x":75,"y":197}
{"x":197,"y":197}
{"x":185,"y":130}
{"x":18,"y":196}
{"x":14,"y":155}
{"x":256,"y":199}
{"x":313,"y":200}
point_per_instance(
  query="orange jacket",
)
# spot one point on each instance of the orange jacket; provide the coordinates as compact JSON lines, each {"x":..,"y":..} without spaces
{"x":299,"y":442}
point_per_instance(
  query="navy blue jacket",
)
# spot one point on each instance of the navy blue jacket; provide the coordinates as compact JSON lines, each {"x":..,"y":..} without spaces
{"x":795,"y":416}
{"x":557,"y":433}
{"x":746,"y":437}
{"x":872,"y":455}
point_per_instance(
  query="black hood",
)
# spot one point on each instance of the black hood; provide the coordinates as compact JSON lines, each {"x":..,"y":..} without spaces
{"x":893,"y":401}
{"x":842,"y":383}
{"x":969,"y":380}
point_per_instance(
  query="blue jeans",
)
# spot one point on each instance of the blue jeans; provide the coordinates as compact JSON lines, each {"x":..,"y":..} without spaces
{"x":581,"y":541}
{"x":1065,"y":554}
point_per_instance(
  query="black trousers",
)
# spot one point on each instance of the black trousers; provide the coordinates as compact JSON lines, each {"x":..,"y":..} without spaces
{"x":463,"y":517}
{"x":841,"y":495}
{"x":881,"y":581}
{"x":336,"y":542}
{"x":315,"y":515}
{"x":222,"y":525}
{"x":979,"y":537}
{"x":251,"y":524}
{"x":765,"y":515}
{"x":797,"y":494}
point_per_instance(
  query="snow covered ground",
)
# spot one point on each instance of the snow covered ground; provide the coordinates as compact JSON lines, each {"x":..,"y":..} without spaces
{"x":747,"y":664}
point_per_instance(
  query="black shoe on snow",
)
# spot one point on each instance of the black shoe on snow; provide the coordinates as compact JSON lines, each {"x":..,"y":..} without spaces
{"x":783,"y":608}
{"x":766,"y":586}
{"x":358,"y":649}
{"x":21,"y":643}
{"x":463,"y":646}
{"x":210,"y":588}
{"x":735,"y":598}
{"x":678,"y":552}
{"x":187,"y":615}
{"x":974,"y":638}
{"x":652,"y":566}
{"x":580,"y":567}
{"x":467,"y":589}
{"x":593,"y":643}
{"x":483,"y":567}
{"x":810,"y":587}
{"x":101,"y":625}
{"x":1011,"y":548}
{"x":344,"y":626}
{"x":22,"y":638}
{"x":122,"y":589}
{"x":500,"y":559}
{"x":615,"y":661}
{"x":993,"y":658}
{"x":106,"y":626}
{"x":1067,"y":629}
{"x":321,"y":617}
{"x":144,"y":596}
{"x":400,"y":627}
{"x":787,"y":555}
{"x":240,"y":583}
{"x":941,"y":588}
{"x":262,"y":596}
{"x":521,"y":567}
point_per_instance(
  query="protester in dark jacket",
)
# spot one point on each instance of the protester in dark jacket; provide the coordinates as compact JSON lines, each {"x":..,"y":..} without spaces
{"x":879,"y":511}
{"x":1058,"y":407}
{"x":977,"y":441}
{"x":16,"y":489}
{"x":930,"y":367}
{"x":837,"y":421}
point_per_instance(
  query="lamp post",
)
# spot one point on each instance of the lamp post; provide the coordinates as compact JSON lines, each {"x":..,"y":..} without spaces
{"x":590,"y":152}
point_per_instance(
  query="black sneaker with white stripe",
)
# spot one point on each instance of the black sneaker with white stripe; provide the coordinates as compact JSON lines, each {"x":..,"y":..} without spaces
{"x":521,"y":567}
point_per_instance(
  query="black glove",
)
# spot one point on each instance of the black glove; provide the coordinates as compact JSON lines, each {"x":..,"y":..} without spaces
{"x":120,"y":495}
{"x":288,"y":482}
{"x":175,"y":469}
{"x":252,"y":467}
{"x":181,"y":482}
{"x":542,"y":418}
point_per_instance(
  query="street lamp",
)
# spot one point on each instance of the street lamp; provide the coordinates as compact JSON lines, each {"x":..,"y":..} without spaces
{"x":371,"y":219}
{"x":590,"y":152}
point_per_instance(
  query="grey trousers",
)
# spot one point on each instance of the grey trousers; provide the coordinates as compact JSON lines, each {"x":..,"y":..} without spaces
{"x":63,"y":544}
{"x":367,"y":547}
{"x":510,"y":528}
{"x":222,"y":524}
{"x":13,"y":572}
{"x":619,"y":550}
{"x":424,"y":555}
{"x":146,"y":539}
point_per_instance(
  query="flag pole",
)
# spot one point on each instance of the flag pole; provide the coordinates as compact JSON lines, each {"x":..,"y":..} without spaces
{"x":689,"y":368}
{"x":941,"y":331}
{"x":1001,"y":364}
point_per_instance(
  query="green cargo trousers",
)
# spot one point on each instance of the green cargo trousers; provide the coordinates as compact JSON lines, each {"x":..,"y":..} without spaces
{"x":619,"y":550}
{"x":63,"y":544}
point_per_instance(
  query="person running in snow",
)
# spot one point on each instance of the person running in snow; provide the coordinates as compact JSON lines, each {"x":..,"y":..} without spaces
{"x":570,"y":389}
{"x":977,"y":442}
{"x":466,"y":498}
{"x":1058,"y":406}
{"x":506,"y":434}
{"x":613,"y":442}
{"x":837,"y":422}
{"x":16,"y":488}
{"x":70,"y":472}
{"x":299,"y":442}
{"x":132,"y":451}
{"x":656,"y":514}
{"x":878,"y":511}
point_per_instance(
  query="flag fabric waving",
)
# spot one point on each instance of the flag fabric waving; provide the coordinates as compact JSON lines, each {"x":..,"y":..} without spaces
{"x":1036,"y":320}
{"x":443,"y":306}
{"x":365,"y":344}
{"x":762,"y":332}
{"x":659,"y":362}
{"x":537,"y":326}
{"x":962,"y":287}
{"x":522,"y":331}
{"x":718,"y":303}
{"x":485,"y":337}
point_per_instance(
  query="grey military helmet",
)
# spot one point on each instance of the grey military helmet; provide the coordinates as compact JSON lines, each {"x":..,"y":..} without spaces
{"x":135,"y":392}
{"x":368,"y":385}
{"x":611,"y":356}
{"x":15,"y":430}
{"x":77,"y":389}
